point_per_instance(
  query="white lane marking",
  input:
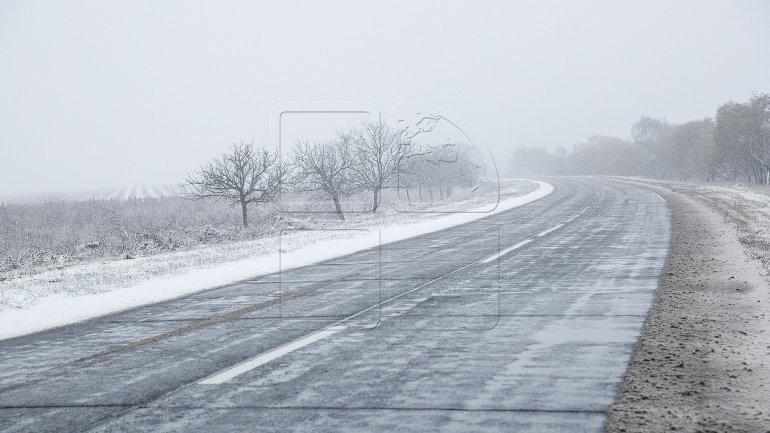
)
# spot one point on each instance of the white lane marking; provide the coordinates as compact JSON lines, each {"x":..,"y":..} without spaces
{"x":263,"y":359}
{"x":506,"y":251}
{"x":541,"y":234}
{"x":656,"y":194}
{"x":545,"y":232}
{"x":253,"y":363}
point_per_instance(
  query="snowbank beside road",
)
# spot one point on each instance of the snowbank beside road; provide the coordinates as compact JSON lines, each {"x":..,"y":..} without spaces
{"x":161,"y":277}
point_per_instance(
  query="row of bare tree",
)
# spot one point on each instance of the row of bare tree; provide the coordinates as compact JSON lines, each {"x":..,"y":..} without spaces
{"x":733,"y":145}
{"x":369,"y":158}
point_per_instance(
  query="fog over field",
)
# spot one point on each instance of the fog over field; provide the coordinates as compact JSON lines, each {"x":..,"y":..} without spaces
{"x":114,"y":94}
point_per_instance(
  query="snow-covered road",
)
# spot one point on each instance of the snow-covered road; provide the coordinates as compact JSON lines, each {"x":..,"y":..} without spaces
{"x":469,"y":328}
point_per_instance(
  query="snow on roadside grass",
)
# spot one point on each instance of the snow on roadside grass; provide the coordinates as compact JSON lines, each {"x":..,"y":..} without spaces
{"x":59,"y":297}
{"x":747,"y":208}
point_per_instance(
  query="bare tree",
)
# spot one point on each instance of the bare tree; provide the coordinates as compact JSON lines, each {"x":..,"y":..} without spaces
{"x":241,"y":176}
{"x":467,"y":171}
{"x":443,"y":167}
{"x":378,"y":150}
{"x":743,"y":137}
{"x":690,"y":148}
{"x":411,"y":174}
{"x":324,"y":169}
{"x":649,"y":147}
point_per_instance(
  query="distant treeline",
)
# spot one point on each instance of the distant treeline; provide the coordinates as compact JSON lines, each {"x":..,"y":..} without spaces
{"x":734,"y":145}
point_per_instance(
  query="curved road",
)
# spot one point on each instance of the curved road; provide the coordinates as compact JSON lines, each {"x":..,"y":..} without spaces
{"x":521,"y":321}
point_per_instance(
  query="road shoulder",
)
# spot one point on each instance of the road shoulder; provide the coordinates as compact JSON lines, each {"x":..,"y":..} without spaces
{"x":701,"y":361}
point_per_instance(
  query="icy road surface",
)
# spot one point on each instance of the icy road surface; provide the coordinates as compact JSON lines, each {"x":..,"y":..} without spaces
{"x":522,"y":321}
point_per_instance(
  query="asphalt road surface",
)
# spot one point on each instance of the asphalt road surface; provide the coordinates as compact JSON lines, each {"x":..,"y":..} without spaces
{"x":521,"y":321}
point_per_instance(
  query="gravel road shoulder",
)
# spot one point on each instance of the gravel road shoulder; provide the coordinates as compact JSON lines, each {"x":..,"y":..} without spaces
{"x":703,"y":360}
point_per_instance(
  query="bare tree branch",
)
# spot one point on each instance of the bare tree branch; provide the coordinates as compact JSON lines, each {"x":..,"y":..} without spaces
{"x":242,"y":176}
{"x":324,"y":169}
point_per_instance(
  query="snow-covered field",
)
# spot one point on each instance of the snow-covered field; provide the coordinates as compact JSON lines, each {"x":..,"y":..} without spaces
{"x":56,"y":297}
{"x":48,"y":235}
{"x":119,"y":193}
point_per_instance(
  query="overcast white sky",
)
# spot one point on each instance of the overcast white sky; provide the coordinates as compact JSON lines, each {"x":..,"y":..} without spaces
{"x":109,"y":93}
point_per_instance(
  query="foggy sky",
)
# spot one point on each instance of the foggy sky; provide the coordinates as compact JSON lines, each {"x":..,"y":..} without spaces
{"x":110,"y":93}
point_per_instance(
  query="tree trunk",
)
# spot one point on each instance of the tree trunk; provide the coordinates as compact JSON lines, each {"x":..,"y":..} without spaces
{"x":244,"y":214}
{"x":338,"y":207}
{"x":408,"y":199}
{"x":375,"y":199}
